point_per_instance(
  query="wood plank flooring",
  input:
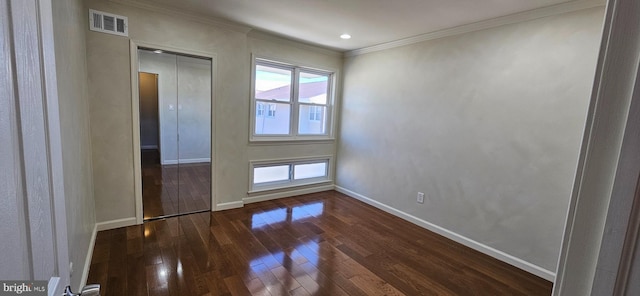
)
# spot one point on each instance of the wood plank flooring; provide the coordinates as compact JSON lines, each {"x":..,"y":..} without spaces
{"x":173,"y":189}
{"x":317,"y":244}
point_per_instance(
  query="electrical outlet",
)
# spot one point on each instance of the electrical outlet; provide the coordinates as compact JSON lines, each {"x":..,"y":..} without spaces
{"x":420,"y":198}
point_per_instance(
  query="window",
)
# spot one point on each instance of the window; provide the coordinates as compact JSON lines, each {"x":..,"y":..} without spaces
{"x":315,"y":113}
{"x":272,"y":110}
{"x":260,"y":109}
{"x":301,"y":97}
{"x":269,"y":174}
{"x":281,"y":174}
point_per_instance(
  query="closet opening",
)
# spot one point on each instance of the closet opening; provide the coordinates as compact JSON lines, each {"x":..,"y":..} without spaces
{"x":175,"y":107}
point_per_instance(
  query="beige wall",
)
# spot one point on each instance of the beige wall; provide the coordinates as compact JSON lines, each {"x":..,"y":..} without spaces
{"x":110,"y":97}
{"x":487,"y":124}
{"x":69,"y":23}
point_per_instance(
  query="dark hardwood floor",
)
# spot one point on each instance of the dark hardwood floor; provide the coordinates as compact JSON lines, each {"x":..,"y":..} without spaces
{"x":317,"y":244}
{"x":173,"y":189}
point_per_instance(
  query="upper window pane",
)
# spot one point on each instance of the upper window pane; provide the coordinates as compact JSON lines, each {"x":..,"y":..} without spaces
{"x":273,"y":83}
{"x":313,"y":88}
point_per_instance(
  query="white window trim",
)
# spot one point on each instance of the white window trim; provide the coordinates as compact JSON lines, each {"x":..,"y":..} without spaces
{"x":328,"y":178}
{"x":293,"y":135}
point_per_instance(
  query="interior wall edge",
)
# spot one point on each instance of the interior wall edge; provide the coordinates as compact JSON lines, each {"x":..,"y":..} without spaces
{"x":267,"y":36}
{"x":207,"y":20}
{"x":87,"y":261}
{"x":525,"y":16}
{"x":480,"y":247}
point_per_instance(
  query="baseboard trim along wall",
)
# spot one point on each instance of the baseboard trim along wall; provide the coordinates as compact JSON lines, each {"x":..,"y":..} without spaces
{"x":185,"y":161}
{"x":113,"y":224}
{"x":517,"y":262}
{"x":87,"y":261}
{"x":289,"y":193}
{"x":229,"y":205}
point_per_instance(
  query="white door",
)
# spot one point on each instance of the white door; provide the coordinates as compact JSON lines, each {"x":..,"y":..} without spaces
{"x":33,"y":244}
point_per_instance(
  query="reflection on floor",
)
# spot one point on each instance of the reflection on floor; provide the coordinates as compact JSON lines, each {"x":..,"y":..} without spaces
{"x":173,"y":189}
{"x":316,"y":244}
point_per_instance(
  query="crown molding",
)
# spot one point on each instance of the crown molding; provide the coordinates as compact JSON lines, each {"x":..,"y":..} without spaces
{"x":486,"y":24}
{"x":193,"y":16}
{"x":273,"y":37}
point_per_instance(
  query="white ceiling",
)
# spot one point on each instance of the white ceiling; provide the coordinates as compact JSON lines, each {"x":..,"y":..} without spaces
{"x":370,"y":22}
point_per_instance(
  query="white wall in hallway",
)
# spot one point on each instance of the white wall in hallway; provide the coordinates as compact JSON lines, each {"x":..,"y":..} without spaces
{"x":70,"y":21}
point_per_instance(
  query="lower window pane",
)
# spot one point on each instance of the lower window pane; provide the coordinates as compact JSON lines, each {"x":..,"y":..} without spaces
{"x":312,"y":120}
{"x":272,"y":118}
{"x":270,"y":174}
{"x":311,"y":170}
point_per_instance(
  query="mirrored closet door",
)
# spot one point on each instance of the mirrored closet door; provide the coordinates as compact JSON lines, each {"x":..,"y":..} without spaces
{"x":175,"y":133}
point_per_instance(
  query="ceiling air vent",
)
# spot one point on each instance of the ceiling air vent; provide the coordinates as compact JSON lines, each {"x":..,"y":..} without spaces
{"x":108,"y":23}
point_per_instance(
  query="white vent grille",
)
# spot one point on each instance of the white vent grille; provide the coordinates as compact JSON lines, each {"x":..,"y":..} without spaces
{"x":108,"y":23}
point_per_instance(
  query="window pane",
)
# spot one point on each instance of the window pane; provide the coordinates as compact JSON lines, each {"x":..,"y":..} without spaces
{"x":313,"y":88}
{"x":312,"y":170}
{"x":273,"y":83}
{"x":312,"y":120}
{"x":270,"y":174}
{"x":272,"y":118}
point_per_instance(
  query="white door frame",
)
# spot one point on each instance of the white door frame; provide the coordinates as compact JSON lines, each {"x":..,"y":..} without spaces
{"x":34,"y":230}
{"x":601,"y":227}
{"x":135,"y":115}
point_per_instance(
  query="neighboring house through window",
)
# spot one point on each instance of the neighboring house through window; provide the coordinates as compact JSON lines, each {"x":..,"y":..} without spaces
{"x":263,"y":109}
{"x":260,"y":109}
{"x":315,"y":113}
{"x":272,"y":110}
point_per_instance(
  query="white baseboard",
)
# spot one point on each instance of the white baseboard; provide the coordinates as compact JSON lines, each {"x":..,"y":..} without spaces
{"x":502,"y":256}
{"x":113,"y":224}
{"x":229,"y":205}
{"x":144,"y":147}
{"x":87,"y":261}
{"x":184,"y":161}
{"x":270,"y":196}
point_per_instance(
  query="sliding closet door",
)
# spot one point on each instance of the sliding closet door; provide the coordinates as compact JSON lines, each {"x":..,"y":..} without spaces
{"x":194,"y":130}
{"x":176,"y":165}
